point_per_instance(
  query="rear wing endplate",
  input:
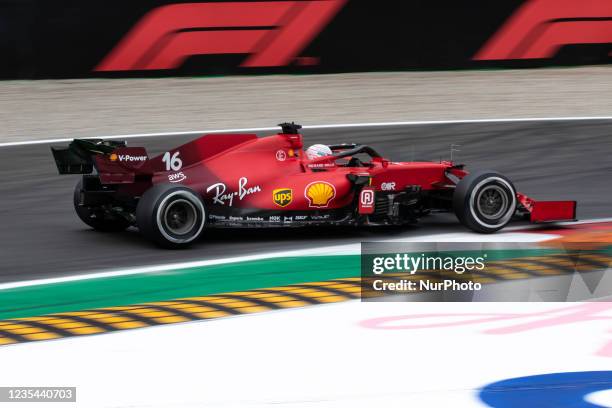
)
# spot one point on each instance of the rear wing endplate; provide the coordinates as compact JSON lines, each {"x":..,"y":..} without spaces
{"x":77,"y":157}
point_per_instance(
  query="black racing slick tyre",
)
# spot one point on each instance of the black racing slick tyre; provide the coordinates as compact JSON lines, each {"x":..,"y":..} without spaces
{"x":485,"y":201}
{"x":172,"y":216}
{"x":97,"y":219}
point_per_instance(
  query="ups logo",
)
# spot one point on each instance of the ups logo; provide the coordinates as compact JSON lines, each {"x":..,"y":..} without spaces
{"x":282,"y":196}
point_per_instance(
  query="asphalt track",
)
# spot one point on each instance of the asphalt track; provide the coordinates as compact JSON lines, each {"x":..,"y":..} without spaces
{"x":40,"y":235}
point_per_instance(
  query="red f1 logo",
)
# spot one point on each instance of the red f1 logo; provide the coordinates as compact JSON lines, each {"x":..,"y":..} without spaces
{"x":272,"y":32}
{"x":541,"y":27}
{"x":366,"y":201}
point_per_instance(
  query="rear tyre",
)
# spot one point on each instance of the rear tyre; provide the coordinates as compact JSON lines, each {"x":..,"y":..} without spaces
{"x":97,"y":219}
{"x":172,"y":216}
{"x":485,"y":201}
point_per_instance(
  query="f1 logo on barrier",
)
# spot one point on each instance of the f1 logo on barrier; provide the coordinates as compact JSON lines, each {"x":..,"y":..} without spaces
{"x":272,"y":32}
{"x":541,"y":27}
{"x":366,"y":201}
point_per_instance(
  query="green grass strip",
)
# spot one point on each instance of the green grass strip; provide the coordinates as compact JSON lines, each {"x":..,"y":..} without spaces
{"x":152,"y":287}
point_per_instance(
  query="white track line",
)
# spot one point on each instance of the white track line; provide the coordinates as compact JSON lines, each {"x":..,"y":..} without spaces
{"x":345,"y":249}
{"x":329,"y":126}
{"x":321,"y":251}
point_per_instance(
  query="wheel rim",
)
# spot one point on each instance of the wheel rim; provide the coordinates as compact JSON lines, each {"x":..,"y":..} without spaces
{"x":505,"y":216}
{"x":180,"y":217}
{"x":492,"y":202}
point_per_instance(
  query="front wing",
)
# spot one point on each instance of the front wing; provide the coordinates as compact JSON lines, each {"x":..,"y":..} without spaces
{"x":548,"y":211}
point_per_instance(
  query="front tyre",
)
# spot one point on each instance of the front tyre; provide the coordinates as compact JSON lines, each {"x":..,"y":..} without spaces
{"x":485,"y":201}
{"x":170,"y":215}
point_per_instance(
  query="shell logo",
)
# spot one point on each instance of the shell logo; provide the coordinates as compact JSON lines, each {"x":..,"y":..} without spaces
{"x":319,"y":193}
{"x":113,"y":157}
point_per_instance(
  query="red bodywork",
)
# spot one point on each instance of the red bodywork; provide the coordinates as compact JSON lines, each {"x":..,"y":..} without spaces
{"x":548,"y":211}
{"x":244,"y":179}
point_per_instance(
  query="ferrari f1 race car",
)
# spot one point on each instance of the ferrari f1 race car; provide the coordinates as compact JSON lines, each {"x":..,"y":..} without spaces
{"x":242,"y":180}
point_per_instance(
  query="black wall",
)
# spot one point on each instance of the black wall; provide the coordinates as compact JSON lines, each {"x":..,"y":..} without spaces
{"x":69,"y":38}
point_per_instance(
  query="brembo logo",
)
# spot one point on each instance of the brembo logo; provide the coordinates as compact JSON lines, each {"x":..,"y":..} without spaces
{"x":541,"y":27}
{"x":272,"y":32}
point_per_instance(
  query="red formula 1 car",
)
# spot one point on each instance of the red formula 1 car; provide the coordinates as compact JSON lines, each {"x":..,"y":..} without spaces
{"x":241,"y":180}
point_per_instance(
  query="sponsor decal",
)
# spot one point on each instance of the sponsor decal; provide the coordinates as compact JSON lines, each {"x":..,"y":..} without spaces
{"x":366,"y":201}
{"x":281,"y":155}
{"x":231,"y":218}
{"x":321,"y":165}
{"x":272,"y":33}
{"x":389,"y":186}
{"x":255,"y":219}
{"x":282,"y":196}
{"x":367,"y":198}
{"x":288,"y":220}
{"x":127,"y":158}
{"x":539,"y":28}
{"x":319,"y":217}
{"x":222,"y":197}
{"x":275,"y":218}
{"x":177,"y":177}
{"x":217,"y":217}
{"x":319,"y":193}
{"x":301,"y":217}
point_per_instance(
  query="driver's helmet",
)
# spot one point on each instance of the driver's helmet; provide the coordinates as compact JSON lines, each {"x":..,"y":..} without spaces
{"x":318,"y":150}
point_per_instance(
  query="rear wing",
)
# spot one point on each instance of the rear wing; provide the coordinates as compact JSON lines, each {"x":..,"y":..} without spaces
{"x":77,"y":157}
{"x":112,"y":159}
